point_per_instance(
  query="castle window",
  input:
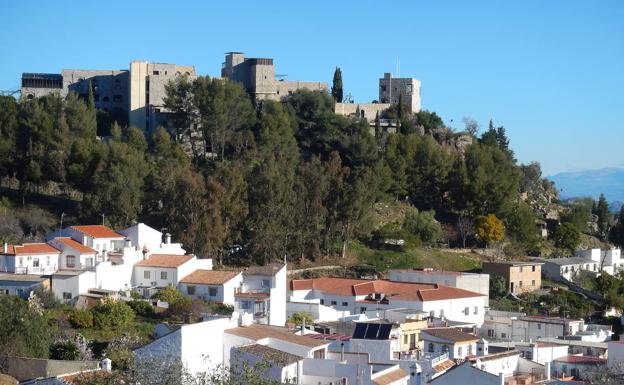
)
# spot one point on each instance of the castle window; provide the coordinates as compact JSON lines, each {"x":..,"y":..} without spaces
{"x":155,"y":73}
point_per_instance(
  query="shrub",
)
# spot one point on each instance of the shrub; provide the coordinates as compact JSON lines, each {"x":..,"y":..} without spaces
{"x":81,"y":319}
{"x":142,"y":308}
{"x":423,"y":225}
{"x":223,"y":308}
{"x":65,"y":350}
{"x":112,"y":314}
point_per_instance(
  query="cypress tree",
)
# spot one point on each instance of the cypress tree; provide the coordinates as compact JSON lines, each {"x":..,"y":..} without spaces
{"x":337,"y":86}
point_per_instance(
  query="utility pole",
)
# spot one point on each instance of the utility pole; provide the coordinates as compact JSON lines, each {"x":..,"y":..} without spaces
{"x":61,"y":226}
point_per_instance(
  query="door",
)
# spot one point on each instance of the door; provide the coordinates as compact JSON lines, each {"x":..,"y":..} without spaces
{"x":512,"y":287}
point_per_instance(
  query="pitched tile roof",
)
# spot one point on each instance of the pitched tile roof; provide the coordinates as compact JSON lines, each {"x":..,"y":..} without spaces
{"x":31,"y":249}
{"x":449,"y":334}
{"x":390,"y":377}
{"x":209,"y":277}
{"x":76,"y":245}
{"x":394,"y":290}
{"x":257,"y":332}
{"x":593,"y":360}
{"x":97,"y":231}
{"x":270,"y":354}
{"x":165,"y":260}
{"x":443,"y":366}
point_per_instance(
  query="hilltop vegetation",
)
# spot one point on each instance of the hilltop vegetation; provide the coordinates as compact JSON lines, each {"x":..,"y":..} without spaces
{"x":284,"y":180}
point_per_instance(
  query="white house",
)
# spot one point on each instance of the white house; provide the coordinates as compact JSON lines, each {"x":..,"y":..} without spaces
{"x":263,"y":294}
{"x":212,"y":285}
{"x":269,"y":362}
{"x":531,"y":328}
{"x":497,"y":325}
{"x":67,"y":285}
{"x":29,"y":258}
{"x":479,"y":283}
{"x":98,"y":237}
{"x":576,"y":366}
{"x":359,"y":296}
{"x":162,"y":270}
{"x":541,"y":352}
{"x":22,"y":285}
{"x":568,"y":268}
{"x":74,"y":255}
{"x":495,"y":369}
{"x":607,"y":260}
{"x":151,"y":241}
{"x":455,"y":342}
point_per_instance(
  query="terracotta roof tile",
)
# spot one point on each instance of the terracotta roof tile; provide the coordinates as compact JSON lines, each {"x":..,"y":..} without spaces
{"x":443,"y":366}
{"x":258,"y":332}
{"x":209,"y":277}
{"x":31,"y":249}
{"x":165,"y":260}
{"x":448,"y":334}
{"x":582,"y":360}
{"x":394,"y":290}
{"x":390,"y":377}
{"x":76,"y":245}
{"x":268,"y":270}
{"x":97,"y":231}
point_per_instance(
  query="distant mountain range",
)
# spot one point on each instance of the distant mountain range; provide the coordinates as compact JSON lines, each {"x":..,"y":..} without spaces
{"x":609,"y":181}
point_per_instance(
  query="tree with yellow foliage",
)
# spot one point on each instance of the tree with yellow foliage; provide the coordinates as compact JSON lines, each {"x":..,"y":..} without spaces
{"x":490,"y":229}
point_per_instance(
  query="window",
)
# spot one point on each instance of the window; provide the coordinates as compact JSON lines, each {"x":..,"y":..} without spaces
{"x":406,"y":339}
{"x":533,"y":283}
{"x":212,"y":291}
{"x":89,"y":262}
{"x":67,"y":295}
{"x":539,"y":326}
{"x":70,"y":261}
{"x":155,"y":73}
{"x":430,"y":348}
{"x":334,"y":303}
{"x":322,"y":302}
{"x":35,"y":262}
{"x":147,"y":275}
{"x":503,"y":335}
{"x":362,"y":310}
{"x":408,"y":89}
{"x":345,"y":304}
{"x":533,"y":268}
{"x":266,"y":283}
{"x":245,"y":305}
{"x":163,"y":275}
{"x":319,"y":354}
{"x":469,"y":350}
{"x":467,"y":311}
{"x":460,"y":350}
{"x":476,"y":310}
{"x":157,"y":110}
{"x":190,"y":290}
{"x":384,"y":89}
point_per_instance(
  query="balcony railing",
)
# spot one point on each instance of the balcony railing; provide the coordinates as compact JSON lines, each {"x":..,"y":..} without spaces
{"x":35,"y":270}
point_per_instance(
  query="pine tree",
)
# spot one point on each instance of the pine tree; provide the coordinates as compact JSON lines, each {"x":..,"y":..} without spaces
{"x":604,"y":216}
{"x":336,"y":90}
{"x":617,"y":231}
{"x":90,"y":97}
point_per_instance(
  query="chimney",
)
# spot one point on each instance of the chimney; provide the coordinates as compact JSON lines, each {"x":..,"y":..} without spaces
{"x":342,"y":351}
{"x":547,"y":370}
{"x":5,"y":248}
{"x":167,"y":239}
{"x":106,"y":365}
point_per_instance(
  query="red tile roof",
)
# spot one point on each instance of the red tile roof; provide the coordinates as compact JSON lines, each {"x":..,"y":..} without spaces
{"x":76,"y":245}
{"x":97,"y":231}
{"x":209,"y":277}
{"x":31,"y":249}
{"x":165,"y":260}
{"x":394,"y":290}
{"x":443,"y":366}
{"x":582,"y":360}
{"x":390,"y":377}
{"x":258,"y":332}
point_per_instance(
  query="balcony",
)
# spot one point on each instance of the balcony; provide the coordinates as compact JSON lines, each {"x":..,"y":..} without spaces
{"x":35,"y":270}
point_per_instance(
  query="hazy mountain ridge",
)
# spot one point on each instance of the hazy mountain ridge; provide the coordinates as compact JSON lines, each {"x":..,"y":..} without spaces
{"x":609,"y":181}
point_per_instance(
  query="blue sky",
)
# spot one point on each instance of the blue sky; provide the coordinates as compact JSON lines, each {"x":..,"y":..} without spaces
{"x":551,"y":72}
